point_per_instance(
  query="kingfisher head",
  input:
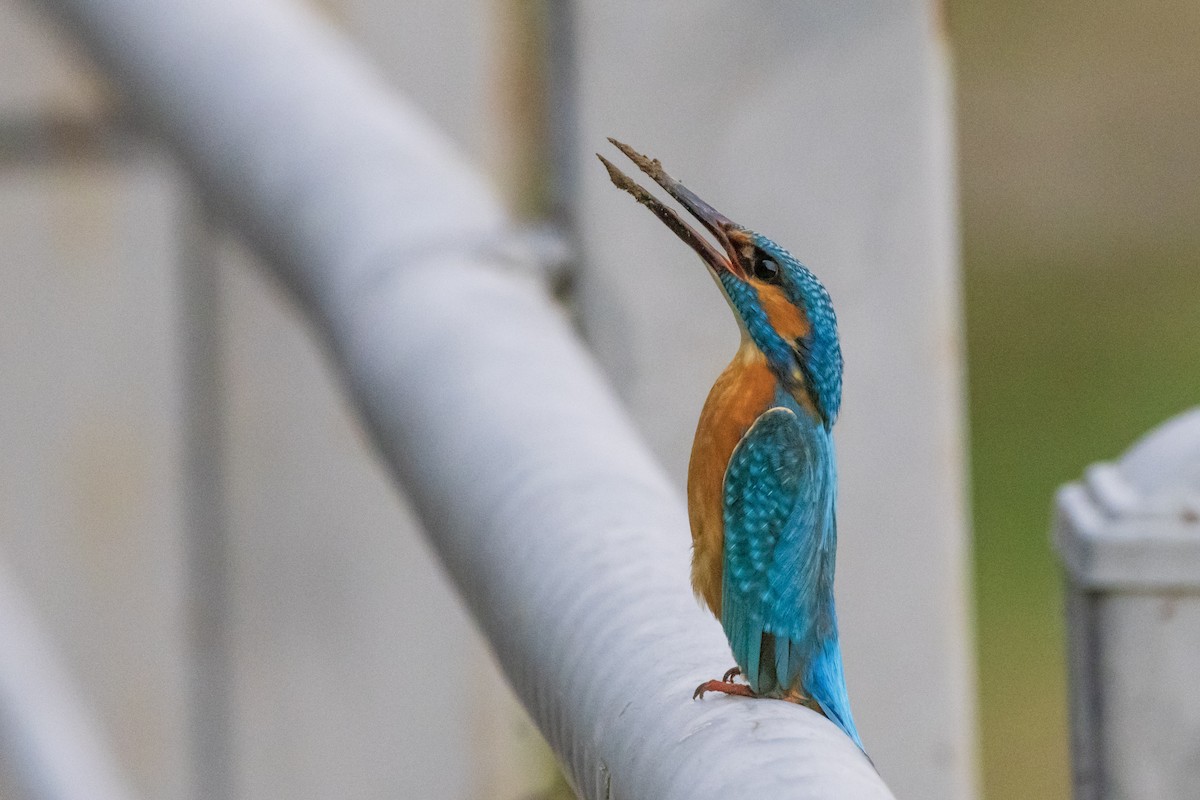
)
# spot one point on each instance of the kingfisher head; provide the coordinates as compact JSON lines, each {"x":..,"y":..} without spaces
{"x":780,"y":305}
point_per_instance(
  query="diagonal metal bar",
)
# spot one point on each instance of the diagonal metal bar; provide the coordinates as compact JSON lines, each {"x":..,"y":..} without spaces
{"x":48,"y":740}
{"x":561,"y":532}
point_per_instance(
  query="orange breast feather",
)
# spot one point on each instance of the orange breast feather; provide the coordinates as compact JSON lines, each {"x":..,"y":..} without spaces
{"x":744,"y":391}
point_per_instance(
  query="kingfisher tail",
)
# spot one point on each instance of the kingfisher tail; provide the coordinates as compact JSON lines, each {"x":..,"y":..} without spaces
{"x":826,"y":684}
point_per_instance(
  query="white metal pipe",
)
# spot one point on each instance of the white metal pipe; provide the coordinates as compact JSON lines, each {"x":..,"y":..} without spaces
{"x":48,"y":741}
{"x":560,"y":530}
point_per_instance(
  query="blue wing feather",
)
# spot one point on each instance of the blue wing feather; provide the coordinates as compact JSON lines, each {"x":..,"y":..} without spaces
{"x":777,"y":603}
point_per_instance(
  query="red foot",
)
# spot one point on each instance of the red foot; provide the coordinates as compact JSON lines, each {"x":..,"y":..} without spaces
{"x":724,"y":687}
{"x":731,"y":673}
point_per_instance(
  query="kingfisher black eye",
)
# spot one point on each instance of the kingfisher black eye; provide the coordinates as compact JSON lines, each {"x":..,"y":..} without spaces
{"x":765,"y":268}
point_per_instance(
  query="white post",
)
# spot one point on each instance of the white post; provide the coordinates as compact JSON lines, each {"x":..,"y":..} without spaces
{"x":91,"y":416}
{"x":828,"y":127}
{"x":1128,"y":535}
{"x":90,"y":504}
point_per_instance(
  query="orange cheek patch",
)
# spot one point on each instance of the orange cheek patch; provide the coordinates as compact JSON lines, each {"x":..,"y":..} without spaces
{"x":788,"y":320}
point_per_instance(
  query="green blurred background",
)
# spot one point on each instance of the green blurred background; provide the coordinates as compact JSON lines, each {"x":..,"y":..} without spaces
{"x":1079,"y":139}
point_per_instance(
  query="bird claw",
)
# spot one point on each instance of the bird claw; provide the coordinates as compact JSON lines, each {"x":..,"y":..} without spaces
{"x":724,"y":687}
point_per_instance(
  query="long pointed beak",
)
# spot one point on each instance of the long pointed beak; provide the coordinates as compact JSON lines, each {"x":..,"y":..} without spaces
{"x":714,"y":222}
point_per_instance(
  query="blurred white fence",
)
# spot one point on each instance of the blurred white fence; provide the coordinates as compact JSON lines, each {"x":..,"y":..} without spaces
{"x":1128,"y":535}
{"x":573,"y":558}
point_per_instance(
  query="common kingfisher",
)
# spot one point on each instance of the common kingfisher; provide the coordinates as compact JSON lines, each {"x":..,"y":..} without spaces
{"x":762,"y":481}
